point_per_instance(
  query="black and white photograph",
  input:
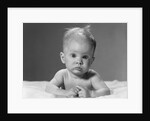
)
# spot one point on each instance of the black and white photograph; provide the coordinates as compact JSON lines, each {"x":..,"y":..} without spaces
{"x":74,"y":60}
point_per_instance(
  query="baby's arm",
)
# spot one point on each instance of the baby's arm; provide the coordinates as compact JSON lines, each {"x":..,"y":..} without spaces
{"x":54,"y":86}
{"x":99,"y":87}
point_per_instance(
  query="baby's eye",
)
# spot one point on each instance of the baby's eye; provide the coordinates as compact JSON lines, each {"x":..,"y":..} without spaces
{"x":73,"y":55}
{"x":85,"y":57}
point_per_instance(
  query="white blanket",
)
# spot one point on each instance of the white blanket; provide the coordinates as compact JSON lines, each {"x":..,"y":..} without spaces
{"x":36,"y":89}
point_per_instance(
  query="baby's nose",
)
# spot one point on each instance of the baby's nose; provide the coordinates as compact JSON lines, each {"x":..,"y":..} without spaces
{"x":79,"y":62}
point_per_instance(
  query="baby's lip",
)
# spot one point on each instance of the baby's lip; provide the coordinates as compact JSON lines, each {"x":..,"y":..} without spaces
{"x":78,"y":68}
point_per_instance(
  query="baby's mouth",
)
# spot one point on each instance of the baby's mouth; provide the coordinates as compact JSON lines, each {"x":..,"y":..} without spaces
{"x":78,"y":68}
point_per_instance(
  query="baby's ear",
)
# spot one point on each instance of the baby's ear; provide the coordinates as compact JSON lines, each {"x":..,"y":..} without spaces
{"x":93,"y":58}
{"x":62,"y":57}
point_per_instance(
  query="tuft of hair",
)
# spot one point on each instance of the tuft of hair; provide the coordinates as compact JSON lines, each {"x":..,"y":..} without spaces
{"x":77,"y":31}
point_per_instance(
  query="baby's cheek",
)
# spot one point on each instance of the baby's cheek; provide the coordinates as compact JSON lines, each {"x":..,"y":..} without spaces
{"x":88,"y":63}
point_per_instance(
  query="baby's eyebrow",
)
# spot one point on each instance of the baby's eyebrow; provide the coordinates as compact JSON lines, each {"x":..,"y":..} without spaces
{"x":85,"y":55}
{"x":72,"y":53}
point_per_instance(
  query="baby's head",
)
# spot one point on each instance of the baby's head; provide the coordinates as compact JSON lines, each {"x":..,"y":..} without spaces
{"x":78,"y":49}
{"x":79,"y":35}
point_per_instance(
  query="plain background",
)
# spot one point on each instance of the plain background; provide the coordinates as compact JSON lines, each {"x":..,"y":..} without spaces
{"x":42,"y":44}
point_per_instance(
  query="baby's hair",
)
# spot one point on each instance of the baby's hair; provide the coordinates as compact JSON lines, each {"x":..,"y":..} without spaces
{"x":76,"y":32}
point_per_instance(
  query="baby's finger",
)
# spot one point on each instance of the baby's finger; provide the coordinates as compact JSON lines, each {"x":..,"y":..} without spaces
{"x":76,"y":90}
{"x":80,"y":88}
{"x":81,"y":94}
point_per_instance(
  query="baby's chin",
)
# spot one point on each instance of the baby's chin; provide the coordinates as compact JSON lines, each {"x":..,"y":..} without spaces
{"x":79,"y":73}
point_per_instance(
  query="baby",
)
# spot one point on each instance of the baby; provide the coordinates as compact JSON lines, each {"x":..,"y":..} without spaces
{"x":77,"y":80}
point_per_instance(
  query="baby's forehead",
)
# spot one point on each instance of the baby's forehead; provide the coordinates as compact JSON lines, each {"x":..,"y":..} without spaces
{"x":78,"y":47}
{"x":78,"y":42}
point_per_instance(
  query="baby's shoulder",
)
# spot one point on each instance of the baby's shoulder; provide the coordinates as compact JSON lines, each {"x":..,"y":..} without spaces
{"x":61,"y":72}
{"x":92,"y":74}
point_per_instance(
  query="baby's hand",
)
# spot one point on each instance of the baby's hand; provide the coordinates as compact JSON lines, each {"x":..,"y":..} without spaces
{"x":72,"y":93}
{"x":82,"y":92}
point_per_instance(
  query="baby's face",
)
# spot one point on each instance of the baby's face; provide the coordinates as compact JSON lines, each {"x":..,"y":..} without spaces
{"x":78,"y":57}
